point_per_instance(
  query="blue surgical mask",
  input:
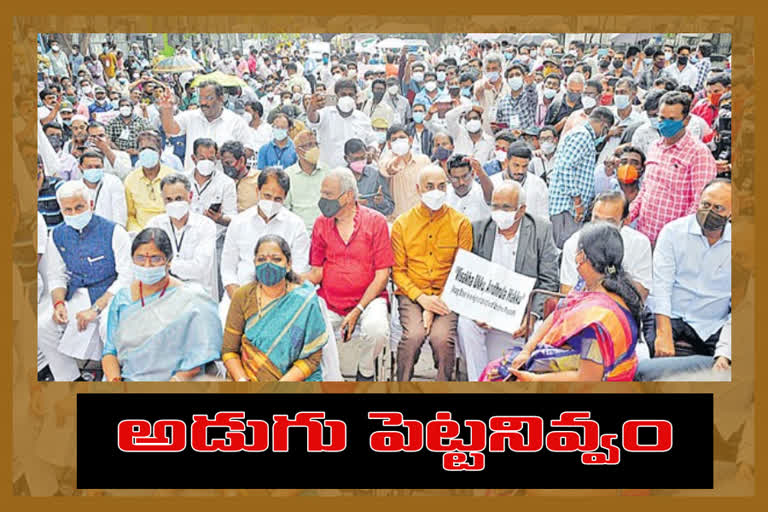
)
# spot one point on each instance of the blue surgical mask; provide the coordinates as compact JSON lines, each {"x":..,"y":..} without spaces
{"x":325,"y":60}
{"x":79,"y":221}
{"x":93,"y":175}
{"x":148,"y":158}
{"x":279,"y":133}
{"x":654,"y":122}
{"x":507,"y":55}
{"x":466,"y":92}
{"x":621,"y":101}
{"x":149,"y":275}
{"x":419,"y":117}
{"x":648,"y":62}
{"x":442,"y":153}
{"x":269,"y":274}
{"x":493,"y":76}
{"x":381,"y":137}
{"x":670,"y":127}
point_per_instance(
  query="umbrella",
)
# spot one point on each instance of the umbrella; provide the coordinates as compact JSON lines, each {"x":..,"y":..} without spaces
{"x":220,"y":78}
{"x":533,"y":38}
{"x":630,"y":38}
{"x":510,"y":38}
{"x":177,"y":64}
{"x":479,"y":37}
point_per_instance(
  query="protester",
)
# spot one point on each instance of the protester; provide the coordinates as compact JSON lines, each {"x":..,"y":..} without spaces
{"x":516,"y":168}
{"x":464,"y":195}
{"x":372,"y":186}
{"x":107,"y":191}
{"x":401,"y":166}
{"x":306,"y":177}
{"x":143,"y":197}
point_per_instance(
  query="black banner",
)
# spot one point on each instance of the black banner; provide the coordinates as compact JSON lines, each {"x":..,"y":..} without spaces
{"x":424,"y":441}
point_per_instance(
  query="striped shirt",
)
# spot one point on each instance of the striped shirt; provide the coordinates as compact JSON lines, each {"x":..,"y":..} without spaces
{"x":574,"y":172}
{"x":704,"y":65}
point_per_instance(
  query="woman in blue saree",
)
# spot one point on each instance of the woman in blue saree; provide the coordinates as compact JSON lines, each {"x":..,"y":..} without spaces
{"x":159,"y":328}
{"x":275,"y":328}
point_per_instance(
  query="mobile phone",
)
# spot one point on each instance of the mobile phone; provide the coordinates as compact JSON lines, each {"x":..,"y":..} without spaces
{"x":368,"y":196}
{"x":215,"y":207}
{"x":344,"y":333}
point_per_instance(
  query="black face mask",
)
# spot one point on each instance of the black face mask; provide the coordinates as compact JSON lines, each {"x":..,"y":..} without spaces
{"x":378,"y":95}
{"x":617,"y":63}
{"x":711,"y":221}
{"x":567,"y":70}
{"x":56,"y":141}
{"x":605,"y":63}
{"x":682,"y":60}
{"x":329,"y":207}
{"x":231,"y":171}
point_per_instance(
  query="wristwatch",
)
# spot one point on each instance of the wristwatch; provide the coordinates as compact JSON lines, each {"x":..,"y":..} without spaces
{"x":96,"y":308}
{"x":361,"y":308}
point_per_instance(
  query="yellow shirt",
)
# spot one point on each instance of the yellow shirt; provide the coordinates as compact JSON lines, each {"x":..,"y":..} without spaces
{"x":143,"y":198}
{"x":248,"y":191}
{"x":425,"y":244}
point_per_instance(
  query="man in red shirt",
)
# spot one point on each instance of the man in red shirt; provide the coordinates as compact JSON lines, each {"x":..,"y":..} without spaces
{"x":676,"y":169}
{"x":708,"y":107}
{"x":351,"y":258}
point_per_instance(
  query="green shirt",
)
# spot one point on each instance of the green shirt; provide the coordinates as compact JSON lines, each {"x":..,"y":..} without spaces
{"x":304,"y":193}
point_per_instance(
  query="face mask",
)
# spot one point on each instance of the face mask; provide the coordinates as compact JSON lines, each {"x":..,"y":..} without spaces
{"x":605,"y":63}
{"x":621,"y":101}
{"x":430,"y":86}
{"x":148,"y":158}
{"x":149,"y":275}
{"x":418,"y":117}
{"x":600,"y":139}
{"x":500,"y":155}
{"x":329,"y":207}
{"x":93,"y":175}
{"x":279,"y":133}
{"x":325,"y":60}
{"x":711,"y":221}
{"x":515,"y":82}
{"x":567,"y":70}
{"x":588,"y":102}
{"x":55,"y":141}
{"x":381,"y":137}
{"x":346,"y":104}
{"x":357,"y":166}
{"x":231,"y":171}
{"x":286,"y":101}
{"x":714,"y":99}
{"x":393,"y":90}
{"x":122,"y":80}
{"x":269,"y":208}
{"x":400,"y":147}
{"x":312,"y":156}
{"x":466,"y":92}
{"x":654,"y":121}
{"x":440,"y":76}
{"x":669,"y":127}
{"x":507,"y":56}
{"x":126,"y":111}
{"x":177,"y":209}
{"x":573,"y":97}
{"x":418,"y":76}
{"x":269,"y":274}
{"x":78,"y":222}
{"x":100,"y":102}
{"x":682,"y":60}
{"x":548,"y":52}
{"x":67,"y":122}
{"x":548,"y":147}
{"x":352,"y":73}
{"x":474,"y":125}
{"x":378,"y":95}
{"x":492,"y":76}
{"x":668,"y":55}
{"x":434,"y":199}
{"x":205,"y":167}
{"x":647,"y":62}
{"x":617,"y":63}
{"x":443,"y":154}
{"x":504,"y":220}
{"x":549,"y":93}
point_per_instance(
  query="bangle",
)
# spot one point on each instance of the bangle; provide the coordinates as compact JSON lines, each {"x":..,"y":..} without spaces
{"x":361,"y":308}
{"x":56,"y":304}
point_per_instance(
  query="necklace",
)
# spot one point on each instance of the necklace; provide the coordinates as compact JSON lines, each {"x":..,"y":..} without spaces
{"x":141,"y":290}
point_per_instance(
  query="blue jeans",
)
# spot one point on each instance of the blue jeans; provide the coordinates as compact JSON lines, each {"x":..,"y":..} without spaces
{"x":665,"y":368}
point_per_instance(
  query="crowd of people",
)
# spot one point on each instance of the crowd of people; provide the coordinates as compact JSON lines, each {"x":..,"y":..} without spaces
{"x":191,"y":229}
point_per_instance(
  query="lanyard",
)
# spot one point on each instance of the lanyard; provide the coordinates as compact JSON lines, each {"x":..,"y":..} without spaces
{"x":199,"y":190}
{"x":177,"y":243}
{"x":98,"y":191}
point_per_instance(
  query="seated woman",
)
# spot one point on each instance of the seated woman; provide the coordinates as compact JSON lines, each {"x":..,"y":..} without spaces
{"x":159,"y":328}
{"x":592,"y":334}
{"x":275,"y":327}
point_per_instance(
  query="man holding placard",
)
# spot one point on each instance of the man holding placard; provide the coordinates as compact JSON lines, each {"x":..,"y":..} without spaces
{"x":524,"y":245}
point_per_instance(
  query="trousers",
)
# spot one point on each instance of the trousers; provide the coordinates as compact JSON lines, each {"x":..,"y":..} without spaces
{"x":563,"y":226}
{"x":474,"y":342}
{"x":368,"y":339}
{"x":442,"y":339}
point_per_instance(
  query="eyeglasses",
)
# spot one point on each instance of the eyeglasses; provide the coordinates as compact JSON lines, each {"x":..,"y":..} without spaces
{"x":155,"y":261}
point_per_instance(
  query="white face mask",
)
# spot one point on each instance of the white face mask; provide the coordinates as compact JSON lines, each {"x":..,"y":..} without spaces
{"x":418,"y":76}
{"x":206,"y":167}
{"x":400,"y":147}
{"x":126,"y":111}
{"x":430,"y":86}
{"x":504,"y":220}
{"x":269,"y":208}
{"x":177,"y":209}
{"x":501,"y":156}
{"x":548,"y":147}
{"x":247,"y":117}
{"x":588,"y":102}
{"x":346,"y":104}
{"x":393,"y":89}
{"x":474,"y":125}
{"x":434,"y":199}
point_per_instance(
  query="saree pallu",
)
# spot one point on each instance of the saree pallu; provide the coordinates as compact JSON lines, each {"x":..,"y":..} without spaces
{"x":283,"y":334}
{"x":591,"y":318}
{"x":177,"y":332}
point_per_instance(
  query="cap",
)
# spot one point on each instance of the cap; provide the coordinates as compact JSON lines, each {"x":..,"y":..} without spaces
{"x":379,"y":123}
{"x":99,"y":88}
{"x":66,"y":107}
{"x":627,"y":174}
{"x":531,"y":130}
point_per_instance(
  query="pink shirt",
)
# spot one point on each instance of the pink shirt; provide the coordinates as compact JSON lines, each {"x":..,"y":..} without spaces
{"x":674,"y":178}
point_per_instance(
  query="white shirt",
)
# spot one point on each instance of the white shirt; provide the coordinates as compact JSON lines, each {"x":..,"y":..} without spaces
{"x":612,"y":143}
{"x":109,"y":199}
{"x":536,"y":193}
{"x":505,"y":251}
{"x":244,"y":231}
{"x":333,"y":131}
{"x":261,"y":135}
{"x":121,"y":247}
{"x":152,"y":117}
{"x":42,"y":234}
{"x":122,"y":166}
{"x":472,"y":205}
{"x":194,"y":249}
{"x":688,"y":76}
{"x":482,"y":150}
{"x":228,"y":126}
{"x":541,"y":166}
{"x":637,"y":258}
{"x":399,"y":105}
{"x":220,"y":188}
{"x":269,"y":106}
{"x":44,"y":111}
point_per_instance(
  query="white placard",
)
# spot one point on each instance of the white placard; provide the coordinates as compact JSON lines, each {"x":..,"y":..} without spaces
{"x":487,"y":292}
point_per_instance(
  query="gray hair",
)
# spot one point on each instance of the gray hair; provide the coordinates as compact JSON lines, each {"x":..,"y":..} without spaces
{"x":521,"y":196}
{"x":175,"y":178}
{"x":347,"y":180}
{"x":492,"y":57}
{"x":576,"y":77}
{"x":72,"y":189}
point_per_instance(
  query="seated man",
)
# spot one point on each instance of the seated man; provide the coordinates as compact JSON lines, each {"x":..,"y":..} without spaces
{"x":107,"y":191}
{"x":142,"y":186}
{"x":193,"y":236}
{"x":233,"y":161}
{"x":504,"y":139}
{"x":372,"y":186}
{"x":268,"y":217}
{"x":88,"y":261}
{"x":425,"y":240}
{"x":691,"y":295}
{"x":516,"y":168}
{"x":520,"y":242}
{"x":464,"y":195}
{"x":351,"y":258}
{"x":612,"y":207}
{"x":115,"y":162}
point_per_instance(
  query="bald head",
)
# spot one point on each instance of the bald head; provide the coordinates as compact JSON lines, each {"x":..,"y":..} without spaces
{"x":509,"y":195}
{"x":432,"y":177}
